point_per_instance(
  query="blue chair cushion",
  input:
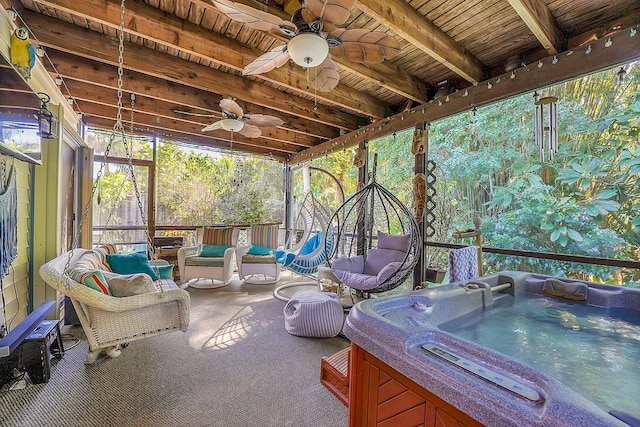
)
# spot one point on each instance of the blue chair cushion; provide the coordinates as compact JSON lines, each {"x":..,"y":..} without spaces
{"x":213,"y":251}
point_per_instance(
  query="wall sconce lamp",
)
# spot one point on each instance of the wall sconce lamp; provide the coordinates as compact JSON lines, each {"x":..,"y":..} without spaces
{"x":47,"y":121}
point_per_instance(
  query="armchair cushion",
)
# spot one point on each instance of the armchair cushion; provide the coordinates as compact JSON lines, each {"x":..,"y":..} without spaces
{"x":218,"y":236}
{"x":264,"y":235}
{"x":136,"y":262}
{"x":214,"y":251}
{"x":259,"y":259}
{"x":206,"y":261}
{"x":260,"y":250}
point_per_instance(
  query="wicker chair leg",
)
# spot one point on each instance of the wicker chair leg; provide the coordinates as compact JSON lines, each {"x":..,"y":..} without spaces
{"x":114,"y":351}
{"x":91,"y":357}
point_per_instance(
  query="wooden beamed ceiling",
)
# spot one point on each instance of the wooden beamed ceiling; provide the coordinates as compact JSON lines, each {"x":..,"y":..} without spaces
{"x":184,"y":56}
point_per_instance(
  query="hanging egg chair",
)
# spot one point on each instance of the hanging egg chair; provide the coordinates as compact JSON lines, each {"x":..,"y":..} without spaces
{"x":376,"y":240}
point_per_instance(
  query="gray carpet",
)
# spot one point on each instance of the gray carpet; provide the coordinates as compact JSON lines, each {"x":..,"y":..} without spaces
{"x":236,"y":366}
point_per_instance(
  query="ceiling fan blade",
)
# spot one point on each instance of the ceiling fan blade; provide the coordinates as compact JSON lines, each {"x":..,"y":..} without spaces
{"x":363,"y":45}
{"x":247,"y":15}
{"x":231,"y":106}
{"x":250,"y":131}
{"x":334,"y":11}
{"x":325,"y":76}
{"x":276,"y":57}
{"x":263,"y":120}
{"x":212,"y":126}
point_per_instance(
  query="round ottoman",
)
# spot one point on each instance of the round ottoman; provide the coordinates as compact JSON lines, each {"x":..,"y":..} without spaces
{"x":313,"y":314}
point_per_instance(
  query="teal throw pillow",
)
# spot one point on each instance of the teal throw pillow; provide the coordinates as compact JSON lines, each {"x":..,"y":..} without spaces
{"x":136,"y":262}
{"x":213,"y":251}
{"x":166,"y":271}
{"x":260,"y":250}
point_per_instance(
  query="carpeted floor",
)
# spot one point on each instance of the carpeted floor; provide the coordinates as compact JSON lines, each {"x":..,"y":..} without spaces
{"x":236,"y":366}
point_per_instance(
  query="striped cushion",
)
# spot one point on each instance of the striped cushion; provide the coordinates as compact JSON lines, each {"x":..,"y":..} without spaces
{"x":259,"y":259}
{"x":102,"y":252}
{"x":96,"y":281}
{"x":264,"y":235}
{"x":313,"y":314}
{"x":218,"y":236}
{"x":204,"y":261}
{"x":165,"y":285}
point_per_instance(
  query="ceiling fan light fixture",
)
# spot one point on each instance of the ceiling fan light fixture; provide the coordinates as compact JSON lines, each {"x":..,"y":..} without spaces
{"x":308,"y":49}
{"x":232,"y":125}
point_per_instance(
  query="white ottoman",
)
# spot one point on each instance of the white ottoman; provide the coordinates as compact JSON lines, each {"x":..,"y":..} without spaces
{"x":313,"y":314}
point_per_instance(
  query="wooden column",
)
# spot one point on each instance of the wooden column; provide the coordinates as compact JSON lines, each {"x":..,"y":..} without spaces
{"x":419,"y":148}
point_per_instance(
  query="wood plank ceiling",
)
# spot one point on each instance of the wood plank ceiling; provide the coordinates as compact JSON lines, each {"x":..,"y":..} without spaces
{"x":185,"y":55}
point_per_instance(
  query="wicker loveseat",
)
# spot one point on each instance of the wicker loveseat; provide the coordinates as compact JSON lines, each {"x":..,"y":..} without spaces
{"x":109,"y":321}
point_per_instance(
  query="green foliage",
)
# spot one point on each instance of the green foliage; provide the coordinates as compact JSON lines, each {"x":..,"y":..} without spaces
{"x":585,"y":201}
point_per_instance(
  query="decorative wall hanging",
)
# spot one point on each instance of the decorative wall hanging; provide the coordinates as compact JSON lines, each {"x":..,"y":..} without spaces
{"x":430,"y":202}
{"x":419,"y":141}
{"x":546,"y":127}
{"x":419,"y":195}
{"x":358,"y":158}
{"x":8,"y":216}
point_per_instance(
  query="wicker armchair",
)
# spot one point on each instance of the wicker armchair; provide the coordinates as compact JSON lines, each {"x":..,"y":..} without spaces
{"x":259,"y":267}
{"x":110,"y":321}
{"x":193,"y":264}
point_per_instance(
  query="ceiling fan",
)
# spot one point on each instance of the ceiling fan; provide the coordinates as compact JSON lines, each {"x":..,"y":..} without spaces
{"x":233,"y":119}
{"x":313,"y":39}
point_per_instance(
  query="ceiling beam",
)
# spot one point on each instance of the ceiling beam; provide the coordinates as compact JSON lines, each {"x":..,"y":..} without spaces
{"x":381,"y":74}
{"x":71,"y":67}
{"x":55,"y":34}
{"x":150,"y":23}
{"x":571,"y":64}
{"x":401,"y":18}
{"x":187,"y":139}
{"x":108,"y":114}
{"x":163,"y":111}
{"x":20,"y":100}
{"x":538,"y":17}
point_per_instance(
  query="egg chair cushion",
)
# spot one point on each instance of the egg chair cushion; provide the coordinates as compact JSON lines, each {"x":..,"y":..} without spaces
{"x":354,"y":264}
{"x":378,"y":258}
{"x":398,"y":242}
{"x":359,"y":281}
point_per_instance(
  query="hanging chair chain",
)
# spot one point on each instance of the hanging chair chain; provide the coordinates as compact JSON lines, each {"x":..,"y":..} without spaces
{"x":118,"y":127}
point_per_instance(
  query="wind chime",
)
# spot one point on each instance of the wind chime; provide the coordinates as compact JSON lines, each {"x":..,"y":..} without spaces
{"x":546,"y":126}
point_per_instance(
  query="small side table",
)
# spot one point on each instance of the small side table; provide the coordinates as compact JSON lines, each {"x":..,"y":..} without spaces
{"x":327,"y":281}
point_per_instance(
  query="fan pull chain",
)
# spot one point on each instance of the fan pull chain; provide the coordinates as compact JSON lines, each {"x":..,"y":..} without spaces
{"x":315,"y":90}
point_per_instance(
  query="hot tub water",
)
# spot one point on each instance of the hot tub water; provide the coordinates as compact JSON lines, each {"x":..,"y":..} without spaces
{"x":594,"y":351}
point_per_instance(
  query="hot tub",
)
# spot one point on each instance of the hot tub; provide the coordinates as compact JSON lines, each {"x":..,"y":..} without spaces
{"x":513,"y":349}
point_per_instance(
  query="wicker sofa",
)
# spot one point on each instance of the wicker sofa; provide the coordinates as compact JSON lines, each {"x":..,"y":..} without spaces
{"x":110,"y":321}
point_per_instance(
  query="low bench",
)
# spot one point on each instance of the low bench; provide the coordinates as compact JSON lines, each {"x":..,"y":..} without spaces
{"x":26,"y":347}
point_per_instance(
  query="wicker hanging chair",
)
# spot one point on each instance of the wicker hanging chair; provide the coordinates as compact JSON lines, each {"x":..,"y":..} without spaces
{"x":373,"y":223}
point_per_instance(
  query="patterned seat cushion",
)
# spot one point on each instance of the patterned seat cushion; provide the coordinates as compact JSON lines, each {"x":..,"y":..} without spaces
{"x":204,"y":261}
{"x":259,"y":259}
